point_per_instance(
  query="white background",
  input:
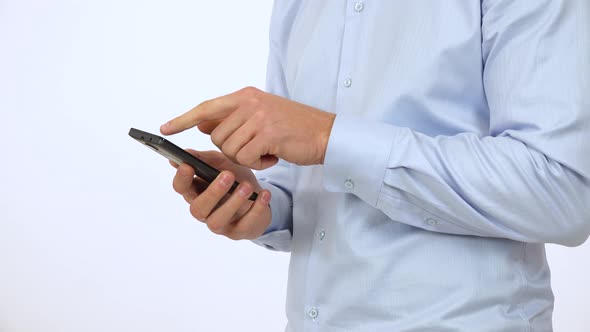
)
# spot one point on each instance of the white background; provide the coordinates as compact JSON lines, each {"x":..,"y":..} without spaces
{"x":92,"y":237}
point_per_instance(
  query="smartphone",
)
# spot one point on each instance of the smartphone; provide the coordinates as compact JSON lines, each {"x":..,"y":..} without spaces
{"x":174,"y":153}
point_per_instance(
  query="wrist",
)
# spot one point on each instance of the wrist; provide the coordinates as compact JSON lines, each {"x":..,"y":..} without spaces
{"x":325,"y":135}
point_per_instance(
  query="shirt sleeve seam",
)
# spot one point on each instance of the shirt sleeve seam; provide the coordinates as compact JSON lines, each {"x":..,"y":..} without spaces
{"x":380,"y":190}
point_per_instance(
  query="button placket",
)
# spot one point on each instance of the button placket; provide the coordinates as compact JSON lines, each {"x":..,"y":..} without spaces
{"x":351,"y":37}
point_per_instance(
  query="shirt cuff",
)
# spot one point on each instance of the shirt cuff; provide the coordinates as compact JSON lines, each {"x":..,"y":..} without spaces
{"x":357,"y":156}
{"x":278,"y":234}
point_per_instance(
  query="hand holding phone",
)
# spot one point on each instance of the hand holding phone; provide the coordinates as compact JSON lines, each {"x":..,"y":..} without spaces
{"x":174,"y":153}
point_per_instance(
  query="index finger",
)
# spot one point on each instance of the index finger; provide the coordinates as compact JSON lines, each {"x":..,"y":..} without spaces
{"x":213,"y":109}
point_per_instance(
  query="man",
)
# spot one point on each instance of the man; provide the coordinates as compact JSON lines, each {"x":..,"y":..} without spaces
{"x":428,"y":151}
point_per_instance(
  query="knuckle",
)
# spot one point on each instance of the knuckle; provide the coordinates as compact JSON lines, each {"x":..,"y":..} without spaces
{"x":219,"y":190}
{"x":263,"y":117}
{"x":216,"y":138}
{"x":229,"y":149}
{"x":235,"y":235}
{"x":246,"y":186}
{"x":253,"y":102}
{"x":250,"y":91}
{"x":216,"y":192}
{"x":179,"y":184}
{"x":176,"y":187}
{"x":243,"y":159}
{"x":268,"y":132}
{"x":189,"y":198}
{"x":259,"y":116}
{"x":215,"y":228}
{"x":197,"y":212}
{"x":269,"y":118}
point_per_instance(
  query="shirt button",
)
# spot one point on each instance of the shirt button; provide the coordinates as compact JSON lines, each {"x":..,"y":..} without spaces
{"x":313,"y":313}
{"x":322,"y":234}
{"x":431,"y":221}
{"x":359,"y":6}
{"x":347,"y":83}
{"x":348,"y":184}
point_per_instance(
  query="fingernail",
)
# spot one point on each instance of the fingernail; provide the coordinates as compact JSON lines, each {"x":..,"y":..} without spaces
{"x":244,"y":191}
{"x":225,"y":179}
{"x":165,"y":126}
{"x":265,"y":197}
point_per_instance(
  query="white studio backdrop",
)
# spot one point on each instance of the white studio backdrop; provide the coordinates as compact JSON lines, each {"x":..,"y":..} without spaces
{"x":92,"y":236}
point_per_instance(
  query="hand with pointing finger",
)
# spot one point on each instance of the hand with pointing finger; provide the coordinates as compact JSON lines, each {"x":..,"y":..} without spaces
{"x":255,"y":128}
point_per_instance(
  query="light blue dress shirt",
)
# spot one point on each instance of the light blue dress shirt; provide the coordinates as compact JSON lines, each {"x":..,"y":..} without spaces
{"x":460,"y":146}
